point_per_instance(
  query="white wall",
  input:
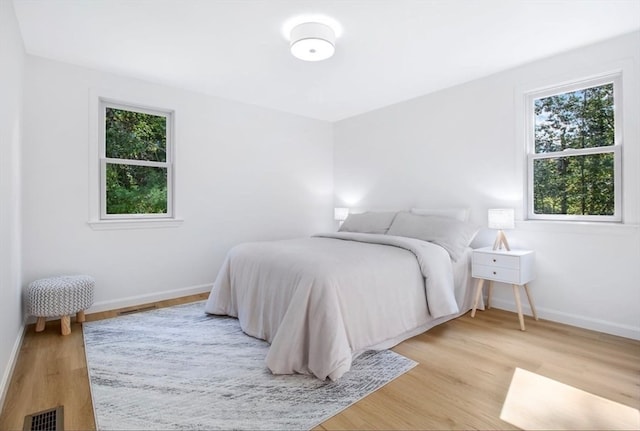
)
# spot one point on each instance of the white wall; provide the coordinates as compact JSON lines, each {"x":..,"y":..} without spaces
{"x":243,"y":173}
{"x":464,"y":146}
{"x":11,"y":69}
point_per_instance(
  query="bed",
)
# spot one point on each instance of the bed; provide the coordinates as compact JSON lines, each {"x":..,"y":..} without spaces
{"x":322,"y":301}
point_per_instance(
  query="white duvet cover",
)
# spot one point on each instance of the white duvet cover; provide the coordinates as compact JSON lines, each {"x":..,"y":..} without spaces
{"x":321,"y":301}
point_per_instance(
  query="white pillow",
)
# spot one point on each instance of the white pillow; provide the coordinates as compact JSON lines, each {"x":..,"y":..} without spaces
{"x":368,"y":222}
{"x":449,"y":233}
{"x":461,"y":214}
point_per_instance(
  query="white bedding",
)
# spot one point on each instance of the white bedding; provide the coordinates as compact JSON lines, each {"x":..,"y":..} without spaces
{"x":321,"y":301}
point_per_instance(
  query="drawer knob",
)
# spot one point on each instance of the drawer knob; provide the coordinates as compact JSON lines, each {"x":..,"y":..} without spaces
{"x":494,"y":260}
{"x":494,"y":273}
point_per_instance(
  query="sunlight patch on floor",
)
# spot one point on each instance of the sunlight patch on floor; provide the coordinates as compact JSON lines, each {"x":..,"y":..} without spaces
{"x":535,"y":402}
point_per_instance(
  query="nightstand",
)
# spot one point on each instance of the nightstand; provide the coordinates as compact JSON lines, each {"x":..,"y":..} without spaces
{"x":515,"y":267}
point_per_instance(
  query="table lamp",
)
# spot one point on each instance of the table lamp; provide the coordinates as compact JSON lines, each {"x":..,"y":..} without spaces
{"x":340,"y":214}
{"x":501,"y":218}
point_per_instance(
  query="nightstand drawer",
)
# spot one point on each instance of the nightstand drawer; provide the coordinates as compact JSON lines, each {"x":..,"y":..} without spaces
{"x":496,"y":273}
{"x":497,"y":260}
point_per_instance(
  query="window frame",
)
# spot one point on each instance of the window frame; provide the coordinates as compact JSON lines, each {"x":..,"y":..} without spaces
{"x":103,"y":104}
{"x":616,"y":148}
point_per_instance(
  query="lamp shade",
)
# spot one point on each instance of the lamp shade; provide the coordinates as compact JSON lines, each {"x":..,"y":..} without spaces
{"x":340,"y":214}
{"x":502,"y":218}
{"x":312,"y":41}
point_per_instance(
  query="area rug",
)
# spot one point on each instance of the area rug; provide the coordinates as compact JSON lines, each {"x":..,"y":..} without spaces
{"x":178,"y":368}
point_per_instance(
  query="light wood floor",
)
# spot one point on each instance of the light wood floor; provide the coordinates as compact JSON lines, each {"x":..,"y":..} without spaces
{"x":465,"y":368}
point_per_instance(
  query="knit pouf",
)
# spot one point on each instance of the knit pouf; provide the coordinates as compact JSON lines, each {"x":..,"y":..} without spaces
{"x":60,"y":296}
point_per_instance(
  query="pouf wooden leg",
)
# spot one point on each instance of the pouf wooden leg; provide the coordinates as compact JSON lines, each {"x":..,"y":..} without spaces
{"x":80,"y":316}
{"x":65,"y":325}
{"x":40,"y":324}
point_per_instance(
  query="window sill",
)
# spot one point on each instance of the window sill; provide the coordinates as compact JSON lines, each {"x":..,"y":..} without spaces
{"x":135,"y":224}
{"x":580,"y":227}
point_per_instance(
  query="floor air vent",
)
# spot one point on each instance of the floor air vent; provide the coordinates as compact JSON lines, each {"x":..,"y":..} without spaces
{"x":48,"y":420}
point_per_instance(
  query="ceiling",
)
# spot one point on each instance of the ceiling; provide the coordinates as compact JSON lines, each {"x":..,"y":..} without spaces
{"x":387,"y":51}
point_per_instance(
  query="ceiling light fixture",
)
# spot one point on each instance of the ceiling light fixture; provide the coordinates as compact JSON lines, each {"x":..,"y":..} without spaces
{"x":312,"y":41}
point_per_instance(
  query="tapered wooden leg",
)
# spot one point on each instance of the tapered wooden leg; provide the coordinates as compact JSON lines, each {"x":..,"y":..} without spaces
{"x":478,"y":293}
{"x":516,"y":293}
{"x":533,"y":309}
{"x":80,"y":316}
{"x":40,"y":324}
{"x":65,"y":325}
{"x":489,"y":290}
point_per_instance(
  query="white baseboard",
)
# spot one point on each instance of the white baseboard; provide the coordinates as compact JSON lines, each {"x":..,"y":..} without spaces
{"x":13,"y":359}
{"x":150,"y":297}
{"x":599,"y":325}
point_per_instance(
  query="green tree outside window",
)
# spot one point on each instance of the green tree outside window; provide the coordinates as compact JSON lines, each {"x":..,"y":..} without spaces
{"x":136,"y":172}
{"x":574,"y":182}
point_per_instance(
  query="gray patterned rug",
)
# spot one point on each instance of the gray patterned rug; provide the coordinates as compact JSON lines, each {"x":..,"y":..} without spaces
{"x":178,"y":368}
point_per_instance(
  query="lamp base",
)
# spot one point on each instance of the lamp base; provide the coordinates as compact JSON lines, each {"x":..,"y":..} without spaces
{"x":501,"y":241}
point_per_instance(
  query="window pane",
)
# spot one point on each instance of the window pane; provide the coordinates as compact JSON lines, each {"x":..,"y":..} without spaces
{"x":136,"y":189}
{"x":135,"y":136}
{"x":576,"y":185}
{"x":577,"y":119}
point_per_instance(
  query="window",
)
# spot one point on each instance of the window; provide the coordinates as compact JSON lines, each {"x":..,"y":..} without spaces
{"x":574,"y":152}
{"x":135,"y":162}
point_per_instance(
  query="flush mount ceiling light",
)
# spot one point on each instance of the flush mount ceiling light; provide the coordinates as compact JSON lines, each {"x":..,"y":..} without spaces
{"x":312,"y":41}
